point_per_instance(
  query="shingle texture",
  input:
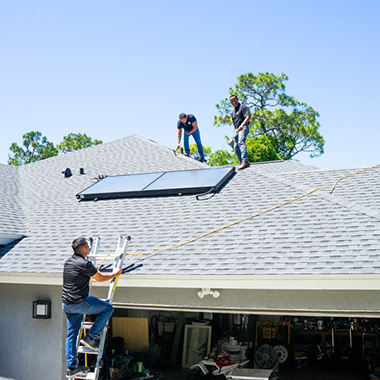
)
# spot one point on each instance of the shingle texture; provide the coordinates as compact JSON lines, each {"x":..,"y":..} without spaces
{"x":321,"y":233}
{"x":12,"y":218}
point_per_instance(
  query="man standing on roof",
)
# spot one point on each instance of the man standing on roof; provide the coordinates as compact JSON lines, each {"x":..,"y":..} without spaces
{"x":190,"y":126}
{"x":240,"y":118}
{"x":76,"y":302}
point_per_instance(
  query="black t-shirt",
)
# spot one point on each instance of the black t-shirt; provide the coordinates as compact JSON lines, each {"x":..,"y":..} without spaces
{"x":188,"y":126}
{"x":239,"y":114}
{"x":76,"y":277}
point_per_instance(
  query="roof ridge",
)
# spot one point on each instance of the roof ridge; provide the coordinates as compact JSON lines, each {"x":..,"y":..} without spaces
{"x":77,"y":150}
{"x":134,"y":136}
{"x":13,"y":167}
{"x":290,"y":160}
{"x":166,"y":149}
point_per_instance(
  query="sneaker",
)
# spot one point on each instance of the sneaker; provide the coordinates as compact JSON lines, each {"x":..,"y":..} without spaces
{"x":203,"y":160}
{"x":90,"y":343}
{"x":186,"y":155}
{"x":244,"y":164}
{"x":75,"y":371}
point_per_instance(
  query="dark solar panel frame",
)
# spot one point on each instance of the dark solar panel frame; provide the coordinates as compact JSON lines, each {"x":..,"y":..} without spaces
{"x":158,"y":184}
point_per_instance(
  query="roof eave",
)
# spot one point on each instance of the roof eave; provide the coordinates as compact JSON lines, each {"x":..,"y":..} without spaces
{"x":253,"y":282}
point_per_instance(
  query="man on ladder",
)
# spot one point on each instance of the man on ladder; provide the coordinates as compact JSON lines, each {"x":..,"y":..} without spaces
{"x":76,"y":302}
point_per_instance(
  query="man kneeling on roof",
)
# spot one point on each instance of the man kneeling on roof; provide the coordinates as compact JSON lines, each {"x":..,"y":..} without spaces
{"x":76,"y":302}
{"x":190,"y":125}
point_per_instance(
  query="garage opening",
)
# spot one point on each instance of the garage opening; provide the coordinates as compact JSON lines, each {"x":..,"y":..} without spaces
{"x":184,"y":345}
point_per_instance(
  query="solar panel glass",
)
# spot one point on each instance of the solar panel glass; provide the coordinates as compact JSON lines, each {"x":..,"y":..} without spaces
{"x":154,"y":184}
{"x":189,"y":179}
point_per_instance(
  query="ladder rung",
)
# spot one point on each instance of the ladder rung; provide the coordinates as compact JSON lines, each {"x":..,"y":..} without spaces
{"x":111,"y":256}
{"x":86,"y":350}
{"x":87,"y":325}
{"x":88,"y":375}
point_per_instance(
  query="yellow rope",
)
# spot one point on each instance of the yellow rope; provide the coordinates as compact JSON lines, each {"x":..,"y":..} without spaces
{"x":252,"y":216}
{"x":102,"y":264}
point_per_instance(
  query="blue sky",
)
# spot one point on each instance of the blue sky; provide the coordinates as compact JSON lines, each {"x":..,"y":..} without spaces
{"x":115,"y":68}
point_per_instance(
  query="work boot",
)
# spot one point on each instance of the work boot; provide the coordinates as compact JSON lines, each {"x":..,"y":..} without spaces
{"x":186,"y":155}
{"x":203,"y":160}
{"x":244,"y":164}
{"x":71,"y":372}
{"x":90,"y":343}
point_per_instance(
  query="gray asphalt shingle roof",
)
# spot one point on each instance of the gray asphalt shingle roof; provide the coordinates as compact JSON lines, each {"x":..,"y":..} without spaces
{"x":321,"y":233}
{"x":12,"y":218}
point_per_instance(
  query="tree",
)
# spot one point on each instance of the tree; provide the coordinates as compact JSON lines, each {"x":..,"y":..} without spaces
{"x":76,"y":141}
{"x":289,"y":126}
{"x":35,"y":148}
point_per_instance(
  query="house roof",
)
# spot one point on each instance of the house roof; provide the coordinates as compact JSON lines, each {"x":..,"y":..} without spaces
{"x":319,"y":234}
{"x":12,"y":217}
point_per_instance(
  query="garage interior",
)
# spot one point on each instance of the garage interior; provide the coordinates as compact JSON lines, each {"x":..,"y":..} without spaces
{"x":164,"y":344}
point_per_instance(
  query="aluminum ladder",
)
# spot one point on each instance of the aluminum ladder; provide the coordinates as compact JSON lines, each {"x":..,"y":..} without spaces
{"x":100,"y":261}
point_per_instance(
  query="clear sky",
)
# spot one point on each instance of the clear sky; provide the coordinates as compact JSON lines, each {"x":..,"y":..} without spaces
{"x":118,"y":67}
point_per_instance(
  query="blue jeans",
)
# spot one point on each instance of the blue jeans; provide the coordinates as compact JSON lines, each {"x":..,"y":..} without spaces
{"x":240,"y":146}
{"x":197,"y":137}
{"x":74,"y":318}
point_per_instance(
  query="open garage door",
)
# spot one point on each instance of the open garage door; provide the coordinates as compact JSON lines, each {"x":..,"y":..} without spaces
{"x":344,"y":303}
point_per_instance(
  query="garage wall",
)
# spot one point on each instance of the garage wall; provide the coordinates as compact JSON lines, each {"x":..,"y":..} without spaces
{"x":358,"y":303}
{"x":31,"y":349}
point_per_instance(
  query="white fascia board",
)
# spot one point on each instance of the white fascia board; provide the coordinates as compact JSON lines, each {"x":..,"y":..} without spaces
{"x":31,"y":278}
{"x":283,"y":282}
{"x":9,"y":238}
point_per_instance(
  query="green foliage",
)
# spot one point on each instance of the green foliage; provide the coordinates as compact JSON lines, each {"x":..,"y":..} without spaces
{"x":76,"y":141}
{"x":259,"y":149}
{"x":194,"y":151}
{"x":222,"y":157}
{"x":35,"y":148}
{"x":291,"y":126}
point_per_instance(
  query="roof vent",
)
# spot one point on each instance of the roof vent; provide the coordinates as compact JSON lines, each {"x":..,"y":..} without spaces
{"x":67,"y":172}
{"x":81,"y":171}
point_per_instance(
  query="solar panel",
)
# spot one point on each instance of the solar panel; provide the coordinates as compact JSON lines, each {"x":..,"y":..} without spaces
{"x":156,"y":184}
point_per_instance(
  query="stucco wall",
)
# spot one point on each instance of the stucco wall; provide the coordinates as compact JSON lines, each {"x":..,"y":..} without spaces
{"x":31,"y":349}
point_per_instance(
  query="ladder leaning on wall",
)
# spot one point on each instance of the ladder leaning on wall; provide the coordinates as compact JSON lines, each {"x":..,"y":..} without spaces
{"x":114,"y":261}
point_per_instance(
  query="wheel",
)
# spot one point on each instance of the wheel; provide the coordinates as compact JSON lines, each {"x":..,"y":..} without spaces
{"x":284,"y":353}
